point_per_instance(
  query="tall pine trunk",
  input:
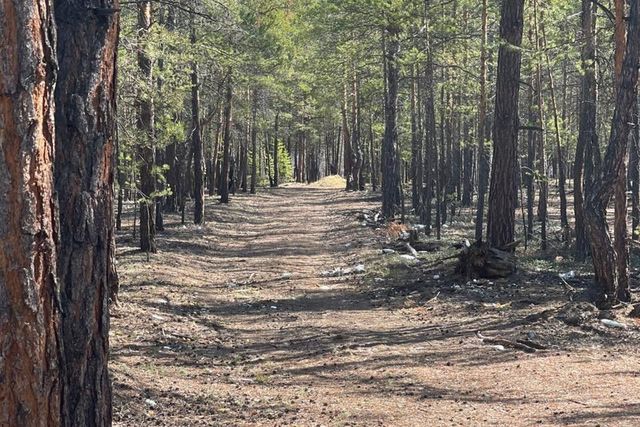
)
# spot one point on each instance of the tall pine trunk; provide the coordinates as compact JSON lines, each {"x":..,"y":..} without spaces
{"x":357,"y":153}
{"x":254,"y":142}
{"x":634,"y":175}
{"x":620,"y":218}
{"x":564,"y":221}
{"x":613,"y":287}
{"x":196,"y":137}
{"x":541,"y":136}
{"x":346,"y":138}
{"x":276,"y":149}
{"x":587,"y":136}
{"x":390,"y":170}
{"x":226,"y":151}
{"x":502,"y":196}
{"x":145,"y":124}
{"x":416,"y":146}
{"x":431,"y":150}
{"x":32,"y":367}
{"x":483,"y":155}
{"x":85,"y":147}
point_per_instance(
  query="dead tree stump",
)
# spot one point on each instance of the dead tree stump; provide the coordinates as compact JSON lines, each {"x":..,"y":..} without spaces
{"x":481,"y":261}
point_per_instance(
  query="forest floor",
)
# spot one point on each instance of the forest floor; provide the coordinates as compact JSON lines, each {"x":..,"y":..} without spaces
{"x":237,"y":323}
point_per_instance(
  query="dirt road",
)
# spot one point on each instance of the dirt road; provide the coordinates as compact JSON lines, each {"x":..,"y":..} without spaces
{"x":234,"y":323}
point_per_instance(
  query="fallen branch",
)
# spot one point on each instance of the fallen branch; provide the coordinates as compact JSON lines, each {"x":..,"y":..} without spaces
{"x":543,"y":315}
{"x":176,"y":335}
{"x":506,"y":343}
{"x":432,"y":299}
{"x":533,"y":344}
{"x":440,"y":261}
{"x":411,"y":250}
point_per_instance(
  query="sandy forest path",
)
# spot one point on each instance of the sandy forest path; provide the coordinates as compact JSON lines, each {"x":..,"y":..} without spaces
{"x":233,"y":323}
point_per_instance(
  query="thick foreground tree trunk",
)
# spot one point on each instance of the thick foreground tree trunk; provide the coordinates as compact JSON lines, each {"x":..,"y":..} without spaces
{"x":602,"y":250}
{"x":84,"y":174}
{"x":502,"y":196}
{"x":31,"y":349}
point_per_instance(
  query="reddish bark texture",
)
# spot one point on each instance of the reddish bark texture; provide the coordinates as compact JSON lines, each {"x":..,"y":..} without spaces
{"x":30,"y":342}
{"x":620,"y":223}
{"x":613,"y":287}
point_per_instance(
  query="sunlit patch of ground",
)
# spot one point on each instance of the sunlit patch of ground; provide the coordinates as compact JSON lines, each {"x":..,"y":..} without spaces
{"x":236,"y":323}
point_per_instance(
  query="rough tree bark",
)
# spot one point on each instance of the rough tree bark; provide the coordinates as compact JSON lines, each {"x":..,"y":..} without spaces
{"x":244,"y":162}
{"x":145,"y":123}
{"x":390,"y":172}
{"x":276,"y":149}
{"x":373,"y":159}
{"x":84,"y":174}
{"x":541,"y":137}
{"x":267,"y":157}
{"x":468,"y":169}
{"x":216,"y":150}
{"x":357,"y":154}
{"x":31,"y":348}
{"x":439,"y":156}
{"x":529,"y":172}
{"x":564,"y":220}
{"x":483,"y":155}
{"x":416,"y":146}
{"x":446,"y":152}
{"x":431,"y":151}
{"x":502,"y":196}
{"x":224,"y":172}
{"x":634,"y":175}
{"x":614,"y":288}
{"x":346,"y":138}
{"x":196,"y":137}
{"x":587,"y":136}
{"x":254,"y":142}
{"x":121,"y":178}
{"x":620,"y":217}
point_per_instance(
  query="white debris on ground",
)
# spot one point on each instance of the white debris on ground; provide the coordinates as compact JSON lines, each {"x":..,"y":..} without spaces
{"x":339,"y":271}
{"x":613,"y":324}
{"x":568,"y":275}
{"x":371,"y":219}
